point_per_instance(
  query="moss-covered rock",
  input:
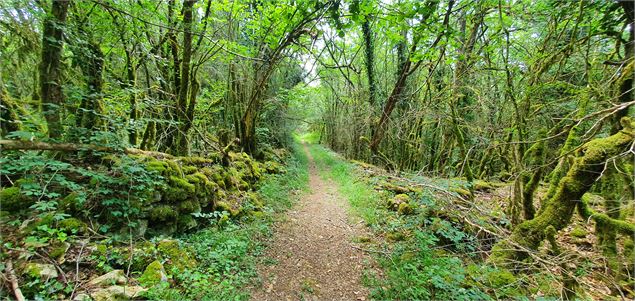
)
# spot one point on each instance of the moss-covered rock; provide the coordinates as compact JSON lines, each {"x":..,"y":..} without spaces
{"x":70,"y":203}
{"x":405,"y":209}
{"x":153,"y":274}
{"x":224,"y":206}
{"x":190,"y":206}
{"x":177,"y":257}
{"x":397,"y":200}
{"x":58,"y":251}
{"x":163,"y":213}
{"x":117,"y":292}
{"x":11,"y":199}
{"x":72,"y":226}
{"x":500,"y":278}
{"x":110,"y":278}
{"x":189,"y":169}
{"x":157,"y":166}
{"x":179,"y":189}
{"x":255,"y":200}
{"x":578,"y":232}
{"x":273,"y":167}
{"x":40,"y":271}
{"x":186,"y":222}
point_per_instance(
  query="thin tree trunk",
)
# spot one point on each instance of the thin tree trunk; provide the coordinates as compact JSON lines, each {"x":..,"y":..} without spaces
{"x":184,"y":87}
{"x":50,"y":78}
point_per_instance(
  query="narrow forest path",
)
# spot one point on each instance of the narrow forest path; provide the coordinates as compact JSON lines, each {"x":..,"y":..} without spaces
{"x":312,"y":256}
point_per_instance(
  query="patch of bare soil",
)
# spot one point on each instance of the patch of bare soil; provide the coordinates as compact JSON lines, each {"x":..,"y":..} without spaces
{"x":312,"y":256}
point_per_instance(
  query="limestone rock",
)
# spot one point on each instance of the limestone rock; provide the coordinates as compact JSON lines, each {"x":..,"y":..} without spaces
{"x":153,"y":274}
{"x":39,"y":270}
{"x":117,"y":292}
{"x":114,"y":277}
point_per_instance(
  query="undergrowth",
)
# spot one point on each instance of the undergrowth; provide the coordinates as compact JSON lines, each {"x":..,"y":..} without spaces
{"x":423,"y":257}
{"x":227,"y":250}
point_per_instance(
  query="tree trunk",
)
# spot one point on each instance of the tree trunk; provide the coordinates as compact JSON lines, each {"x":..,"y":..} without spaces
{"x":91,"y":109}
{"x":584,"y":172}
{"x":184,"y":87}
{"x":626,"y":82}
{"x":369,"y":52}
{"x":50,"y":78}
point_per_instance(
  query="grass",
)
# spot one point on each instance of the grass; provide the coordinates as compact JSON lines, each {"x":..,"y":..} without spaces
{"x":227,"y":255}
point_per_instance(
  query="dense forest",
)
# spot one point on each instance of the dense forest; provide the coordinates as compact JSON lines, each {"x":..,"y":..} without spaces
{"x":187,"y":149}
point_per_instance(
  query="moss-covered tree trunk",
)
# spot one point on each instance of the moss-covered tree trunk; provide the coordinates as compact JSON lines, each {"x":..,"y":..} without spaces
{"x":586,"y":169}
{"x":369,"y":60}
{"x":91,"y":108}
{"x":186,"y":96}
{"x":50,"y":74}
{"x":9,"y":119}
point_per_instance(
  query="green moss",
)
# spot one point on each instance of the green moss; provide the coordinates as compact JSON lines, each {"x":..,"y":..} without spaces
{"x":70,"y":204}
{"x":111,"y":160}
{"x":11,"y":199}
{"x":362,"y":239}
{"x":101,"y":250}
{"x":189,"y":207}
{"x":243,"y":185}
{"x":500,"y":278}
{"x":142,"y":255}
{"x":462,"y":192}
{"x":204,"y":188}
{"x":58,"y":250}
{"x":224,"y":206}
{"x":153,"y":274}
{"x":157,"y":166}
{"x":480,"y":185}
{"x":197,"y":160}
{"x":405,"y":209}
{"x":179,"y":189}
{"x":189,"y":169}
{"x":255,"y":200}
{"x":178,"y":258}
{"x":72,"y":225}
{"x":398,"y":200}
{"x":186,"y":222}
{"x":273,"y":167}
{"x":163,"y":213}
{"x":395,"y":236}
{"x":586,"y":212}
{"x":578,"y":232}
{"x":174,"y":168}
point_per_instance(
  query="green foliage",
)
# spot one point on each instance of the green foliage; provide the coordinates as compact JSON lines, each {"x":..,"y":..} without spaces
{"x":423,"y":275}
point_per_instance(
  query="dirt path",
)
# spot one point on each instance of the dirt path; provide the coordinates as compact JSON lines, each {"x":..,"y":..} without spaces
{"x":312,"y":252}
